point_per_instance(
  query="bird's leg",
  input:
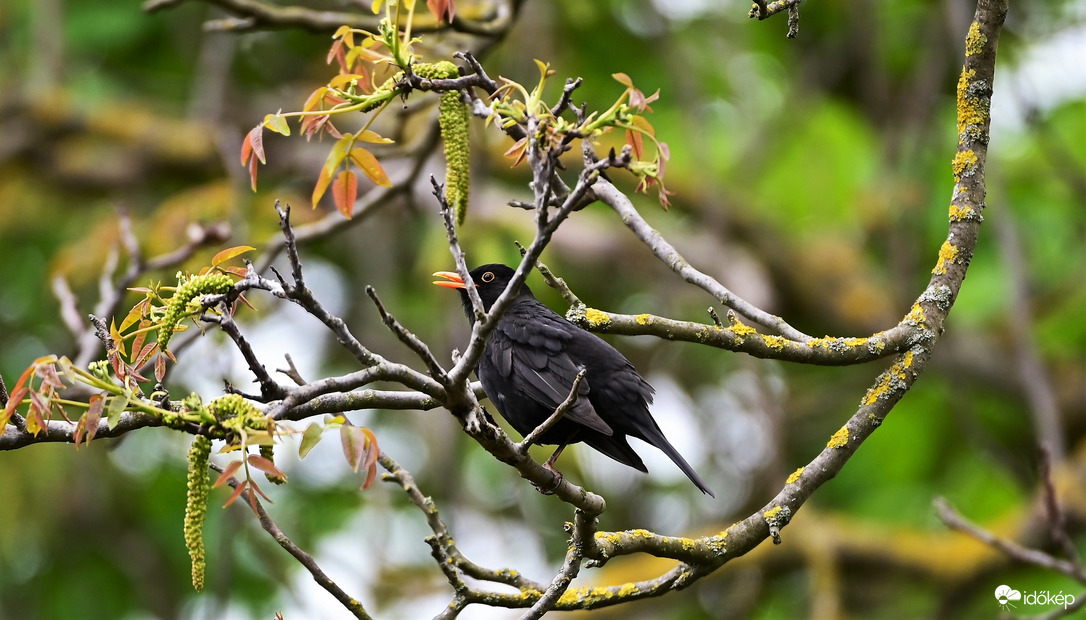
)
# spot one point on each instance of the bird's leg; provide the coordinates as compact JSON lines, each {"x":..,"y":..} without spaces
{"x":549,"y":466}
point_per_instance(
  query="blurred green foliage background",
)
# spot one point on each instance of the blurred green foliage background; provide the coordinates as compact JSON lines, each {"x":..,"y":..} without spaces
{"x":811,"y":176}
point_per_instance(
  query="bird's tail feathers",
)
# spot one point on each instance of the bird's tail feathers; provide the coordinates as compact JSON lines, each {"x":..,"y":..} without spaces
{"x":657,"y":439}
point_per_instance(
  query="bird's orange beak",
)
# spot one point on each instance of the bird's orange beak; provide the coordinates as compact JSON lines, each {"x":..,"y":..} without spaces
{"x":454,"y":279}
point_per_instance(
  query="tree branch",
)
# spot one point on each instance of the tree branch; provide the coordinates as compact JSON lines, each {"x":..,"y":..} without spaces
{"x":349,"y":602}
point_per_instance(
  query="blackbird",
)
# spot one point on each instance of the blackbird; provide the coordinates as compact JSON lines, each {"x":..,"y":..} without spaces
{"x":530,"y":363}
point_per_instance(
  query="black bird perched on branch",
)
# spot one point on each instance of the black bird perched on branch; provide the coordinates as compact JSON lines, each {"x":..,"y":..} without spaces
{"x":531,"y":362}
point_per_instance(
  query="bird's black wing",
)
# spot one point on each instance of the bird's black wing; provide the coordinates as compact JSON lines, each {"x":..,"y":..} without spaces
{"x":529,"y":350}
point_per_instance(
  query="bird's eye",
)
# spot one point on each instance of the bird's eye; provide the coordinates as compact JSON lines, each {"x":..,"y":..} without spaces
{"x":488,"y":276}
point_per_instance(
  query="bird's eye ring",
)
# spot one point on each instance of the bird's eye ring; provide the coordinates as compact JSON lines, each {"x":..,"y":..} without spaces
{"x":488,"y":276}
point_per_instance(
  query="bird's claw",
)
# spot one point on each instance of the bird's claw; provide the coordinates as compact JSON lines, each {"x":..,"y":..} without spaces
{"x":558,"y":478}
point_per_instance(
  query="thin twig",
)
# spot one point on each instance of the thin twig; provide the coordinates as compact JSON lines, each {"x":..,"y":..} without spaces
{"x":1055,"y":513}
{"x":291,"y":371}
{"x":411,"y":340}
{"x":444,"y":545}
{"x":570,"y":567}
{"x":954,"y":520}
{"x":553,"y":419}
{"x":269,"y":388}
{"x":667,"y":253}
{"x":303,"y":558}
{"x":552,"y":280}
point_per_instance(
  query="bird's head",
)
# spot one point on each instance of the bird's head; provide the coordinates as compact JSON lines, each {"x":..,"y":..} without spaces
{"x":490,"y":280}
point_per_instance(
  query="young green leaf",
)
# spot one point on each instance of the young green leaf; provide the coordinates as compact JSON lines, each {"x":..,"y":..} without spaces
{"x":277,"y":123}
{"x":310,"y":438}
{"x":117,"y":405}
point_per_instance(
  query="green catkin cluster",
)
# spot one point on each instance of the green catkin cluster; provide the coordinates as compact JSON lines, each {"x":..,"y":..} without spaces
{"x":196,"y":507}
{"x":231,"y":406}
{"x":452,"y":117}
{"x":189,"y":291}
{"x":236,"y":413}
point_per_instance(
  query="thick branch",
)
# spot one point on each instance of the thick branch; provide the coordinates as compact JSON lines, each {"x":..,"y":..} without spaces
{"x":249,"y":15}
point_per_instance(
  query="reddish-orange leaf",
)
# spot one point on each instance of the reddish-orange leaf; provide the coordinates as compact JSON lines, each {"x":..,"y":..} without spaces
{"x":623,"y":79}
{"x":237,"y":493}
{"x":38,"y":402}
{"x":253,"y":486}
{"x":642,"y":123}
{"x":238,"y":272}
{"x":369,"y":460}
{"x":135,"y":375}
{"x":160,"y":367}
{"x":252,"y":173}
{"x":331,"y":130}
{"x":370,"y":166}
{"x":266,"y":466}
{"x":229,"y":253}
{"x":246,"y":149}
{"x":442,"y":9}
{"x":336,"y":53}
{"x":144,"y":354}
{"x":14,"y":399}
{"x":93,"y":417}
{"x":253,"y":145}
{"x":137,"y":342}
{"x":48,"y":375}
{"x":119,"y":367}
{"x":633,"y":138}
{"x":23,"y":379}
{"x":314,"y":100}
{"x":313,"y":124}
{"x":518,"y":151}
{"x":371,"y":475}
{"x":226,"y":474}
{"x":80,"y":431}
{"x":354,"y":444}
{"x":345,"y":192}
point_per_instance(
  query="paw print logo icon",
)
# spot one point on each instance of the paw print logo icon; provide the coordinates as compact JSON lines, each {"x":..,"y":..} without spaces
{"x":1005,"y":595}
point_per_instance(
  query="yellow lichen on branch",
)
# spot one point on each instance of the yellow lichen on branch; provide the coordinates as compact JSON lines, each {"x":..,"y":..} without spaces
{"x":839,"y":439}
{"x":947,"y":254}
{"x":975,"y":40}
{"x":892,"y":380}
{"x":596,"y":318}
{"x":972,"y":108}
